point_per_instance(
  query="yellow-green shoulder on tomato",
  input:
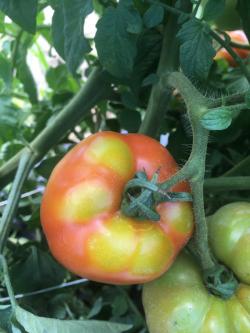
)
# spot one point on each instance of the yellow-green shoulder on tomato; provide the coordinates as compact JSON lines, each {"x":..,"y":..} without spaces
{"x":230,"y":19}
{"x":178,"y":302}
{"x":229,"y":237}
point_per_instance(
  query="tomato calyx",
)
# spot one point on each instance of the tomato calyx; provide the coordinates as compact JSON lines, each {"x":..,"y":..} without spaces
{"x":141,"y":196}
{"x":220,"y":281}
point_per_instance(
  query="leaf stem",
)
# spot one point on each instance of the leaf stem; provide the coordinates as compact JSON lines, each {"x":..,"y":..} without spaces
{"x":26,"y":163}
{"x":227,"y":183}
{"x":15,"y":50}
{"x":238,"y":168}
{"x":227,"y":100}
{"x":171,"y":9}
{"x":196,"y":8}
{"x":235,"y":56}
{"x":45,"y":290}
{"x":240,"y":46}
{"x":7,"y":282}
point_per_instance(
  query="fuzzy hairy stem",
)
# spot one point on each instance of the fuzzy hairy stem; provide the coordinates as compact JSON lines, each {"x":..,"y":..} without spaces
{"x":194,"y":171}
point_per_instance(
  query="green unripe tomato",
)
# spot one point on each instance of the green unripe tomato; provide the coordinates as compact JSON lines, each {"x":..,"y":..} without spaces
{"x":178,"y":302}
{"x":229,"y":237}
{"x":230,"y":19}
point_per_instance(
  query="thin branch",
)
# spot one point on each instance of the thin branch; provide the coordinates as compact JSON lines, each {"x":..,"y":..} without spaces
{"x":196,"y":8}
{"x":238,"y":168}
{"x":7,"y":281}
{"x":15,"y":50}
{"x":45,"y":290}
{"x":240,"y":46}
{"x":227,"y":183}
{"x":24,"y":195}
{"x":235,"y":56}
{"x":228,"y":100}
{"x":171,"y":9}
{"x":26,"y":163}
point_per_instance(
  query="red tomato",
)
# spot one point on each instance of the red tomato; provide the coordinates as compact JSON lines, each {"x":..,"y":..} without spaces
{"x":237,"y":36}
{"x":81,"y":216}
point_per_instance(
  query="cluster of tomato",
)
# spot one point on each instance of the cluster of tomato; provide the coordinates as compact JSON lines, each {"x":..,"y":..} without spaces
{"x":88,"y":233}
{"x":179,"y":302}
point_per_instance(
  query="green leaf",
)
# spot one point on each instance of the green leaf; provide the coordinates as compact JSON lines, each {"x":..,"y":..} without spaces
{"x":247,"y":99}
{"x":27,"y":79}
{"x":196,"y":50}
{"x":217,"y":119}
{"x":76,"y":45}
{"x":57,"y":31}
{"x":46,"y":166}
{"x":39,"y":268}
{"x":10,"y":149}
{"x":5,"y":316}
{"x":59,"y":79}
{"x":129,"y":100}
{"x":37,"y":324}
{"x":119,"y":305}
{"x":2,"y":25}
{"x":96,"y":308}
{"x":115,"y":44}
{"x":213,"y":9}
{"x":21,"y":12}
{"x":150,"y":80}
{"x":5,"y":71}
{"x":130,"y":120}
{"x":9,"y":119}
{"x":149,"y":47}
{"x":153,"y":16}
{"x":243,"y":7}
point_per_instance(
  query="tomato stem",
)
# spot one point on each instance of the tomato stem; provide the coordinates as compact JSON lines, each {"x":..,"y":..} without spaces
{"x":141,"y":196}
{"x":194,"y":171}
{"x":26,"y":163}
{"x":227,"y":100}
{"x":238,"y":168}
{"x":227,"y":183}
{"x":169,"y":61}
{"x":7,"y":281}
